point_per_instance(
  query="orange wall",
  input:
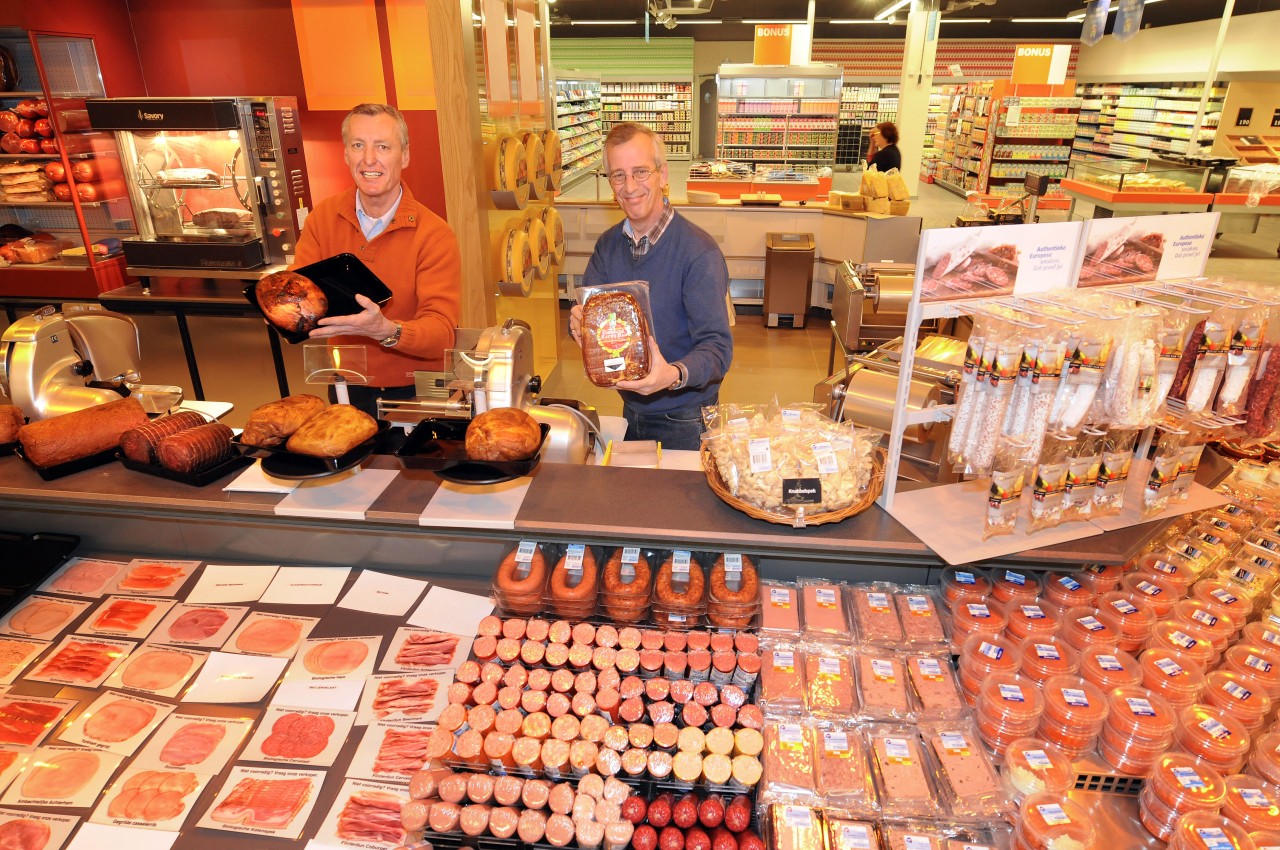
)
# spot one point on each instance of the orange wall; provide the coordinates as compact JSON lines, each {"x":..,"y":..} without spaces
{"x":106,"y":21}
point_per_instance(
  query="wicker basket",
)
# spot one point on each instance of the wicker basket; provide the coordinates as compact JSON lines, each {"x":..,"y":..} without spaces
{"x":867,"y":499}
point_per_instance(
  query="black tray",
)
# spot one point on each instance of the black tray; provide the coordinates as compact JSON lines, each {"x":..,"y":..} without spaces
{"x":195,"y":479}
{"x":281,"y":463}
{"x":7,"y":449}
{"x":341,"y":278}
{"x":30,"y":559}
{"x":439,"y":445}
{"x":61,"y":470}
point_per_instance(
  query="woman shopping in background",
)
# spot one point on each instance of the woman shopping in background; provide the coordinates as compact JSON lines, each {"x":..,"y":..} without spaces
{"x":883,"y":153}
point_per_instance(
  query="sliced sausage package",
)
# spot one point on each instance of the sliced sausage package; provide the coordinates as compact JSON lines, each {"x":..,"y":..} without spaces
{"x":782,"y":687}
{"x":934,"y":687}
{"x":779,"y":607}
{"x":617,"y":323}
{"x":794,"y":827}
{"x":828,"y":678}
{"x":903,"y":773}
{"x":875,"y":614}
{"x":918,"y":611}
{"x":822,"y":604}
{"x":966,"y":776}
{"x":844,"y":770}
{"x":883,"y":690}
{"x":845,"y":834}
{"x":790,"y":750}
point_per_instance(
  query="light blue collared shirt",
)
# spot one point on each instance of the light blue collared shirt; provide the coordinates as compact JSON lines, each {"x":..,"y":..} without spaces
{"x":371,"y":226}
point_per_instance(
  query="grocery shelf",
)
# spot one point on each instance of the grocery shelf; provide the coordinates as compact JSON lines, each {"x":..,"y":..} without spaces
{"x":654,"y":103}
{"x":582,"y":135}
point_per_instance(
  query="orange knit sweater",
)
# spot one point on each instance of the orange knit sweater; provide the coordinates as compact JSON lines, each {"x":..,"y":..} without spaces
{"x":417,"y":257}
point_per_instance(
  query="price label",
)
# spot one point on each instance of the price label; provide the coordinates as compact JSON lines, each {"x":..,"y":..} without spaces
{"x":1224,"y":596}
{"x":1170,"y":667}
{"x":732,"y":563}
{"x":739,"y":424}
{"x":1075,"y":697}
{"x":784,"y":660}
{"x":1254,"y":798}
{"x":1270,"y":636}
{"x":836,"y":744}
{"x":761,"y":455}
{"x":1124,"y":606}
{"x":878,"y":602}
{"x":1012,"y":693}
{"x":797,"y":817}
{"x":1069,"y":583}
{"x":828,"y":666}
{"x":524,"y":552}
{"x":1140,"y":707}
{"x":1182,"y":639}
{"x":1258,"y":663}
{"x":882,"y":669}
{"x":825,"y":457}
{"x":1214,"y":838}
{"x":1048,"y":652}
{"x":897,"y":750}
{"x":825,"y":597}
{"x":678,"y":618}
{"x":680,"y":560}
{"x":978,"y":611}
{"x":917,"y":842}
{"x":1237,"y":690}
{"x":1164,"y":567}
{"x":995,"y":653}
{"x":963,"y":577}
{"x":929,"y":669}
{"x":856,"y":836}
{"x":1091,"y":624}
{"x":1148,"y":588}
{"x":919,"y":605}
{"x":573,"y":556}
{"x":1053,"y":814}
{"x":1215,"y":728}
{"x":1033,"y":612}
{"x":1110,"y":663}
{"x":954,"y":743}
{"x":780,"y":597}
{"x":631,"y":555}
{"x":790,"y":415}
{"x":1204,"y":617}
{"x":1037,"y":758}
{"x":791,"y":735}
{"x":1188,"y":778}
{"x":1015,"y":578}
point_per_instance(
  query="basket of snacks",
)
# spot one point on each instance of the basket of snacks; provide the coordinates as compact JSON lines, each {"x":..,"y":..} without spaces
{"x":791,"y":465}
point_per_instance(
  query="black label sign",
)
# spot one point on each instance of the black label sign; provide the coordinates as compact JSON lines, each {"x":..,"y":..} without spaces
{"x":802,"y":491}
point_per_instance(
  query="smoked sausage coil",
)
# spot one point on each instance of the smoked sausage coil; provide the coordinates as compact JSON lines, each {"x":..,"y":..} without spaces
{"x":521,"y":595}
{"x":615,"y":585}
{"x":748,"y":590}
{"x":665,"y":592}
{"x":140,"y":444}
{"x":196,"y":449}
{"x":578,"y":600}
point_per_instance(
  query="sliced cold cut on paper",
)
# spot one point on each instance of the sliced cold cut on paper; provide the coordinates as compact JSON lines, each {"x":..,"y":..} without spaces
{"x":424,"y":649}
{"x":270,"y":634}
{"x":364,"y":814}
{"x":198,"y":625}
{"x":156,"y":669}
{"x":42,"y":617}
{"x":154,"y":577}
{"x":30,"y":830}
{"x":299,"y":736}
{"x":126,"y":616}
{"x":188,"y":742}
{"x":84,"y":577}
{"x":15,"y":655}
{"x":62,"y":777}
{"x":152,"y":799}
{"x":82,"y":661}
{"x":264,"y":800}
{"x":116,"y":722}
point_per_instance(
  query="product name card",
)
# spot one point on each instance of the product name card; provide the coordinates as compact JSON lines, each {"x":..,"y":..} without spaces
{"x":801,"y":491}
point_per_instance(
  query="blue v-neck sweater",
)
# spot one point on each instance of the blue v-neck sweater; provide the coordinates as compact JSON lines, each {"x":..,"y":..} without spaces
{"x":688,"y":280}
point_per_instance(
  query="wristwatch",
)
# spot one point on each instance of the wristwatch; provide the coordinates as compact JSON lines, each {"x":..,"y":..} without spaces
{"x":394,"y":339}
{"x":683,"y":377}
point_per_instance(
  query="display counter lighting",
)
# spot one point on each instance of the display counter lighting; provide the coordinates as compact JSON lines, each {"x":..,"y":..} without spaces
{"x":856,"y":21}
{"x":965,"y":21}
{"x":772,"y":21}
{"x":603,"y":23}
{"x":888,"y":11}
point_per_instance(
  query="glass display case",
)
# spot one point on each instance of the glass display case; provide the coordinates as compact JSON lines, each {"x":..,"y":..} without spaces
{"x":218,"y":183}
{"x":63,"y":205}
{"x":1261,"y":180}
{"x":784,"y":114}
{"x":1139,"y":175}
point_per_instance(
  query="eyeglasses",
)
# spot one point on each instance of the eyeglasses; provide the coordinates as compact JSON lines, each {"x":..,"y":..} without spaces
{"x":640,"y":175}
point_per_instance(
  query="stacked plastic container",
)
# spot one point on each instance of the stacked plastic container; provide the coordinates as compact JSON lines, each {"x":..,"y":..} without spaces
{"x":1033,"y":766}
{"x":1109,"y":668}
{"x":1172,"y":675}
{"x":1134,"y":615}
{"x":1213,"y":737}
{"x":1139,"y":729}
{"x":981,"y":656}
{"x":1063,"y":591}
{"x":1159,"y":594}
{"x":1178,"y":785}
{"x":1009,"y":707}
{"x":1048,"y":821}
{"x":1220,"y":628}
{"x":1256,"y":663}
{"x":1030,"y":618}
{"x":1252,"y":804}
{"x":1085,"y":626}
{"x":968,"y":617}
{"x":1190,"y":640}
{"x":1047,"y":656}
{"x":1240,"y":696}
{"x":1074,"y":713}
{"x":1209,"y":831}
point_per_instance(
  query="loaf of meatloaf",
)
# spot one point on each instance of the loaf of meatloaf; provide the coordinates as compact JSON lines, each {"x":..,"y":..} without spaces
{"x":139,"y":444}
{"x":615,"y":338}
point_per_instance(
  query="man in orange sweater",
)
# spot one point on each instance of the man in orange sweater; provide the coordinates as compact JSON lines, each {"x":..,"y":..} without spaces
{"x":410,"y":248}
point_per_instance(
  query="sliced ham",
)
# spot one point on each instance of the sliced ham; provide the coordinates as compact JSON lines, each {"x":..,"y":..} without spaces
{"x":197,"y":624}
{"x":24,"y":834}
{"x":335,"y":657}
{"x":42,"y":616}
{"x":267,"y":803}
{"x":24,"y":722}
{"x":192,"y":743}
{"x":427,"y":649}
{"x":119,"y":721}
{"x":61,"y":776}
{"x":269,"y":636}
{"x":371,"y":816}
{"x":80,"y":661}
{"x":402,"y":751}
{"x":156,"y":669}
{"x":123,"y":615}
{"x":151,"y":577}
{"x":85,"y":577}
{"x":405,"y":696}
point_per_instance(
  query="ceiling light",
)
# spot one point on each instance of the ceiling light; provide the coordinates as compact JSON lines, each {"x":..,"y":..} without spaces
{"x":965,"y":21}
{"x":701,"y":21}
{"x":855,"y":21}
{"x":770,"y":21}
{"x":602,"y":23}
{"x":1043,"y":20}
{"x":888,"y":11}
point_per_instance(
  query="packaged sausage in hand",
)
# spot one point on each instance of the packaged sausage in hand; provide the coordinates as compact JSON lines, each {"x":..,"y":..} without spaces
{"x":616,"y":325}
{"x":844,"y":773}
{"x":965,"y":772}
{"x":789,"y":755}
{"x":902,"y":773}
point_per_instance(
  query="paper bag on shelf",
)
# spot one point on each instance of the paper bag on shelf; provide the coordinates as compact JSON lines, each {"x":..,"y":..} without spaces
{"x":897,"y":186}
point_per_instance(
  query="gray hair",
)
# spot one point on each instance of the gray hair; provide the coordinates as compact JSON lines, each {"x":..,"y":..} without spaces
{"x":373,"y":110}
{"x":628,"y":130}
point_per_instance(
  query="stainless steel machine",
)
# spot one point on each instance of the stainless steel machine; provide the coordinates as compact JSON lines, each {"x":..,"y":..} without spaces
{"x":217,"y":183}
{"x":55,"y":363}
{"x":491,"y":368}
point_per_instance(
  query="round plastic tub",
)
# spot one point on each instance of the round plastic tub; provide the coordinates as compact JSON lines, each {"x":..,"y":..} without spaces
{"x":1252,"y":803}
{"x":1009,"y":707}
{"x":1253,"y":579}
{"x":1140,"y":724}
{"x":1032,"y":766}
{"x":1047,"y":820}
{"x":1088,"y":626}
{"x":1044,"y":657}
{"x":1266,"y":839}
{"x":1172,"y":675}
{"x":981,"y":655}
{"x":981,"y":617}
{"x":1173,"y":569}
{"x":1101,"y":579}
{"x":1224,"y":598}
{"x":1254,"y":662}
{"x":1109,"y":668}
{"x":1264,"y":635}
{"x":1210,"y":619}
{"x":1240,"y":696}
{"x":1190,"y":640}
{"x":1264,"y":761}
{"x":964,"y":583}
{"x":1065,"y":590}
{"x":1178,"y":785}
{"x":1134,"y":615}
{"x":1015,"y":586}
{"x":1212,"y":736}
{"x":1030,"y":618}
{"x":1074,"y":712}
{"x":1208,"y":831}
{"x":1160,"y":594}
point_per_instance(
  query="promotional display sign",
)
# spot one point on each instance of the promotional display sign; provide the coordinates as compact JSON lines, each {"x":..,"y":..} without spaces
{"x":1128,"y":19}
{"x":772,"y":44}
{"x":1041,"y":63}
{"x":1148,"y":247}
{"x":978,"y":262}
{"x":1095,"y":22}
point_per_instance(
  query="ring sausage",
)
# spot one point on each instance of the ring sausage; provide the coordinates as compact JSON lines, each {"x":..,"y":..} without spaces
{"x":748,"y":588}
{"x":665,"y":592}
{"x":521,"y":592}
{"x":614,"y":583}
{"x":575,"y":600}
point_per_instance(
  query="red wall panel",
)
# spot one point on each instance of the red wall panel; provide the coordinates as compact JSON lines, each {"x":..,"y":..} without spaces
{"x":106,"y":21}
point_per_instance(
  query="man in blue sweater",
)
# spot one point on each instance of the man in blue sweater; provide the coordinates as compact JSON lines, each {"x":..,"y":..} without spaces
{"x":691,"y":347}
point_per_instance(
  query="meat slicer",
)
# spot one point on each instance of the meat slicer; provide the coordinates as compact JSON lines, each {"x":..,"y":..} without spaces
{"x":55,"y":363}
{"x":490,"y":368}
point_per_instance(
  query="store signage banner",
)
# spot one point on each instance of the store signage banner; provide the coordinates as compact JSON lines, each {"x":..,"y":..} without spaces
{"x":497,"y":61}
{"x":1128,"y":19}
{"x":1148,"y":247}
{"x":1041,"y":63}
{"x":1095,"y":22}
{"x":981,"y":262}
{"x":772,"y":44}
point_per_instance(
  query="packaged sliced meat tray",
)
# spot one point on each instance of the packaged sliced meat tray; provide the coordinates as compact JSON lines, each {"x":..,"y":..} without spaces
{"x":966,"y":775}
{"x":779,"y":607}
{"x":789,"y":753}
{"x":782,"y":686}
{"x":844,"y":772}
{"x":918,"y":612}
{"x":793,"y":827}
{"x":875,"y":615}
{"x":845,"y":834}
{"x":828,"y":676}
{"x":823,"y":607}
{"x":915,"y":836}
{"x":903,"y":776}
{"x":933,"y":683}
{"x":883,"y":692}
